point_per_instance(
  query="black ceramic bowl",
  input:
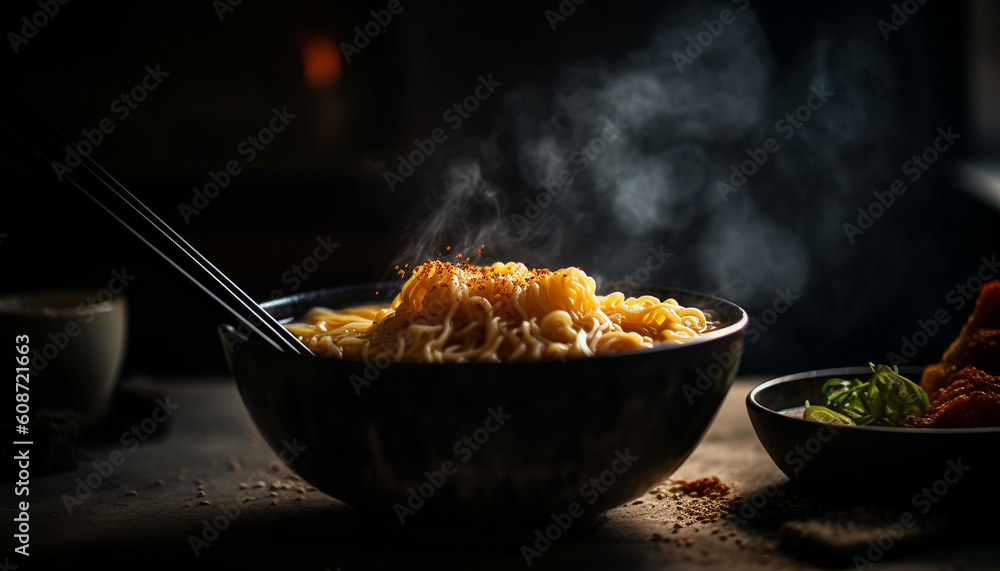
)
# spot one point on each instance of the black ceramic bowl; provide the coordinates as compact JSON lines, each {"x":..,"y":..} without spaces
{"x":897,"y":465}
{"x":486,"y":444}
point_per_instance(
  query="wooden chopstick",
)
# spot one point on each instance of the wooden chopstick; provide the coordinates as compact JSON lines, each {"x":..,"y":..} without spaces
{"x":45,"y":141}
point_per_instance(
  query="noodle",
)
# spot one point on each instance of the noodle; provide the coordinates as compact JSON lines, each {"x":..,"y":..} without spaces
{"x":504,"y":312}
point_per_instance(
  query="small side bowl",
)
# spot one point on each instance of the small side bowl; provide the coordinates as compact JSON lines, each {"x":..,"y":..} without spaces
{"x":918,"y":466}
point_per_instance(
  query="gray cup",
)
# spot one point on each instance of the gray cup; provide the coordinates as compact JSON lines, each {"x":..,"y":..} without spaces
{"x":76,"y":348}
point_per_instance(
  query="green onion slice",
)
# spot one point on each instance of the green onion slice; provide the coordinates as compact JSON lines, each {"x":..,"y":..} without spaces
{"x":822,"y":414}
{"x":884,"y":399}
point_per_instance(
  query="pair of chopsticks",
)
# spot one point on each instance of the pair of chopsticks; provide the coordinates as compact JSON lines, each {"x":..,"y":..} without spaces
{"x":48,"y":143}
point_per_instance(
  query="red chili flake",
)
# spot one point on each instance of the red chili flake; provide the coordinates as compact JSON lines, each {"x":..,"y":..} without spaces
{"x":703,"y":486}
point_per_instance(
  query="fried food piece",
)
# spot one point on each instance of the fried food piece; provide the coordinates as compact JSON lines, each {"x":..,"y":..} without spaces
{"x":971,"y":399}
{"x":977,"y":345}
{"x":964,"y":388}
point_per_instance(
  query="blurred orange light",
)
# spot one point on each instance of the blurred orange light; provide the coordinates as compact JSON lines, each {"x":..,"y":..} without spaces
{"x":321,"y":62}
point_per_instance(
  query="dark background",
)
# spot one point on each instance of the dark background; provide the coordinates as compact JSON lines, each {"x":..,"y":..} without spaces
{"x":323,"y":175}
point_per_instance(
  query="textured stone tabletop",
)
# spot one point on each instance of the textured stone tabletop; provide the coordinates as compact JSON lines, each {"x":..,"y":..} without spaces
{"x":203,"y":489}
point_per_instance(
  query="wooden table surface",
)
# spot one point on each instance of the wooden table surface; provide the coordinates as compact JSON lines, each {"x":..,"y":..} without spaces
{"x":211,"y":441}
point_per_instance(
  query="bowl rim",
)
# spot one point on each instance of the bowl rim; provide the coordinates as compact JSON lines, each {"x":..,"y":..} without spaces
{"x":752,"y":404}
{"x":730,"y":330}
{"x":58,"y":302}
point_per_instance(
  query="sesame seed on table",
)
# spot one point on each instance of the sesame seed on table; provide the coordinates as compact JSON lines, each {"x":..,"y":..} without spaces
{"x":161,"y":502}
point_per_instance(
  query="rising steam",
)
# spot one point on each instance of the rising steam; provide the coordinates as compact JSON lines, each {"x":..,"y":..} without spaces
{"x":655,"y":185}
